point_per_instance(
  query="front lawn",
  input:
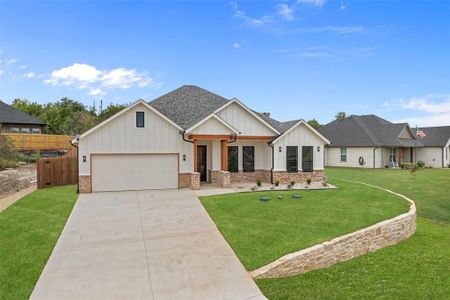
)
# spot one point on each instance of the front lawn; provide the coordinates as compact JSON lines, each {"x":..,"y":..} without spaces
{"x":262,"y":232}
{"x":418,"y":268}
{"x":29,"y":230}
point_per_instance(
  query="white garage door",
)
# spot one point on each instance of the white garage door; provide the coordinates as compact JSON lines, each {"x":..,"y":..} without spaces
{"x":129,"y":172}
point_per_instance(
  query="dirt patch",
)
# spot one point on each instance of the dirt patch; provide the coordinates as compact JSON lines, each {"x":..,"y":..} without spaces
{"x":14,"y":180}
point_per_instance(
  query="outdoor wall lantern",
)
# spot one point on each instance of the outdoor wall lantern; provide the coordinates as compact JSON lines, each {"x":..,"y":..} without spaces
{"x":184,"y":157}
{"x":84,"y":158}
{"x":279,"y":149}
{"x":318,"y":148}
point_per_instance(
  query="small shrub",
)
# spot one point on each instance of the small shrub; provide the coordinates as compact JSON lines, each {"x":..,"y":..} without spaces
{"x":324,"y":183}
{"x":292,"y":183}
{"x":420,"y":164}
{"x":289,"y":186}
{"x":407,"y":166}
{"x":29,"y":158}
{"x":258,"y":183}
{"x":277,"y":182}
{"x":308,"y":181}
{"x":7,"y":163}
{"x":7,"y":149}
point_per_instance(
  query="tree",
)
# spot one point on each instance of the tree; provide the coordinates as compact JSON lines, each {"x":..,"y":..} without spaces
{"x":341,"y":115}
{"x":314,"y":124}
{"x":109,"y":111}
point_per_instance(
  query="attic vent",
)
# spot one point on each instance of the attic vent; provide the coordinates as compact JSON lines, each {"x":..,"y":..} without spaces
{"x":267,"y":114}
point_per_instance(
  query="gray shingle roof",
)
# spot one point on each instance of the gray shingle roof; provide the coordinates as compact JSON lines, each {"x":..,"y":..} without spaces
{"x":436,"y":136}
{"x":188,"y":105}
{"x":366,"y":130}
{"x":11,"y":115}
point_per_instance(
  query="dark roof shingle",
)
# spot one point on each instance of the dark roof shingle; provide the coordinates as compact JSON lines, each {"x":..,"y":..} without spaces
{"x":436,"y":136}
{"x":188,"y":105}
{"x":11,"y":115}
{"x":367,"y":130}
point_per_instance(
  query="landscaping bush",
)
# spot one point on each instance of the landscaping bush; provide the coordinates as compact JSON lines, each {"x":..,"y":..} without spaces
{"x":407,"y":166}
{"x":308,"y":181}
{"x":277,"y":182}
{"x":7,"y":163}
{"x":292,"y":183}
{"x":420,"y":164}
{"x":258,"y":183}
{"x":8,"y":154}
{"x":29,"y":158}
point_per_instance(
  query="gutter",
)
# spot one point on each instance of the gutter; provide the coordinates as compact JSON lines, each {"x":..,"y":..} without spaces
{"x":374,"y":149}
{"x":273,"y":163}
{"x":78,"y":164}
{"x":184,"y":138}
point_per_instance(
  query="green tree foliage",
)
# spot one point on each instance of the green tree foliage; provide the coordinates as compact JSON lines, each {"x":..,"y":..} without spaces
{"x":66,"y":116}
{"x":110,"y":110}
{"x":314,"y":124}
{"x":340,"y":115}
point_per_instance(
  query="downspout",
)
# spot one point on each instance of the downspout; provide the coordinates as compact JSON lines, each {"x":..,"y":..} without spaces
{"x":233,"y":140}
{"x":184,"y":139}
{"x":273,"y":157}
{"x":443,"y":164}
{"x":78,"y":164}
{"x":374,"y":150}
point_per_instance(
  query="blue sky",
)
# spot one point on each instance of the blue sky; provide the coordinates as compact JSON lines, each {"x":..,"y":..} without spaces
{"x":296,"y":59}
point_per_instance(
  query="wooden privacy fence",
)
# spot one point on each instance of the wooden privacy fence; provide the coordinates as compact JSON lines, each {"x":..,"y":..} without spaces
{"x":57,"y":171}
{"x":36,"y":142}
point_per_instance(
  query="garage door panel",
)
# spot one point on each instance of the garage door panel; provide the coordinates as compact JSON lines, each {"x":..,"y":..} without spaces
{"x":117,"y":172}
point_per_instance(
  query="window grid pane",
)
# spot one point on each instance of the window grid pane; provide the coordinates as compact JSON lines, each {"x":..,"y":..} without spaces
{"x":140,"y":119}
{"x":248,"y":158}
{"x":292,"y":159}
{"x":233,"y":159}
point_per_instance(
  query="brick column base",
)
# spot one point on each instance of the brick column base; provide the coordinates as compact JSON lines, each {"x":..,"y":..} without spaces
{"x":225,"y":179}
{"x":195,"y":181}
{"x":85,"y":184}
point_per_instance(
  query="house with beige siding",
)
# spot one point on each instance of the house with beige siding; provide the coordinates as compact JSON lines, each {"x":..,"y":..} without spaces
{"x":192,"y":136}
{"x":368,"y":141}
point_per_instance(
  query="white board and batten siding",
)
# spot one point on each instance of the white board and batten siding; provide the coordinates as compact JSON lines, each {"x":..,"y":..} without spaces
{"x":212,"y":126}
{"x":246,"y":123}
{"x":299,"y":136}
{"x":120,"y":135}
{"x":333,"y":157}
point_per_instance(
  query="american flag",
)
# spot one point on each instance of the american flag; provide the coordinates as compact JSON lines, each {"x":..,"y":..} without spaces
{"x":421,"y":134}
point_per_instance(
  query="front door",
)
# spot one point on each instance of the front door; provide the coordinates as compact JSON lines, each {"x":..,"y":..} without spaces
{"x":307,"y":158}
{"x":201,"y":162}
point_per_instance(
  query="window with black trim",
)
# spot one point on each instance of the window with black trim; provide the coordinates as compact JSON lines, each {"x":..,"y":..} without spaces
{"x":233,"y":159}
{"x":140,"y":119}
{"x":343,"y":154}
{"x":292,"y":159}
{"x":248,"y":158}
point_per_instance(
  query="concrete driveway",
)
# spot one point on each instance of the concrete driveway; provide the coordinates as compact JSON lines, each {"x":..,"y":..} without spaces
{"x":143,"y":245}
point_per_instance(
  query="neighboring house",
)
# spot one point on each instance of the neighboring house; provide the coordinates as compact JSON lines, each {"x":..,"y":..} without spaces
{"x":16,"y":121}
{"x":191,"y":135}
{"x":436,"y":152}
{"x":369,"y":141}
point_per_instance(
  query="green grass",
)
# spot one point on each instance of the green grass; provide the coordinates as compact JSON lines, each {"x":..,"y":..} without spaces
{"x":418,"y":268}
{"x":262,"y":232}
{"x":29,"y":230}
{"x":430,"y":188}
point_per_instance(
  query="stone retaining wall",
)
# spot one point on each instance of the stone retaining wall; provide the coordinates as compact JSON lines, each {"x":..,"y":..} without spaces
{"x":345,"y":247}
{"x":285,"y":178}
{"x":241,"y":176}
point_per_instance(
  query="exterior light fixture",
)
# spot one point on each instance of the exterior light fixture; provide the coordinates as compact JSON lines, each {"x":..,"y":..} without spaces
{"x":279,"y":149}
{"x":84,"y":158}
{"x":318,"y":148}
{"x":184,"y":157}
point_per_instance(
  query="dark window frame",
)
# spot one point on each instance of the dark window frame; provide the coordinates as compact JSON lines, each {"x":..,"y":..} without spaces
{"x":232,"y":170}
{"x":138,"y":115}
{"x":307,"y":165}
{"x":343,"y":154}
{"x":291,"y":164}
{"x":248,"y":162}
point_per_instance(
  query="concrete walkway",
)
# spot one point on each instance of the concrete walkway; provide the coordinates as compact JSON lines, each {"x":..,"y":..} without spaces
{"x":143,"y":245}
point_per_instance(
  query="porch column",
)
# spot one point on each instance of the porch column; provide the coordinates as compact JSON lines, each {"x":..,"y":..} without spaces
{"x":195,"y":156}
{"x":223,"y":155}
{"x":400,"y":156}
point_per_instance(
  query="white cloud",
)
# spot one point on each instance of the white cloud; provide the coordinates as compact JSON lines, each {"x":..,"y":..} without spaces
{"x":285,"y":11}
{"x":338,"y":29}
{"x":11,"y":61}
{"x":319,"y":3}
{"x":343,"y":5}
{"x":96,"y":92}
{"x":433,"y":110}
{"x":84,"y":76}
{"x":256,"y":22}
{"x":32,"y":75}
{"x":22,"y":67}
{"x":1,"y":72}
{"x":236,"y":45}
